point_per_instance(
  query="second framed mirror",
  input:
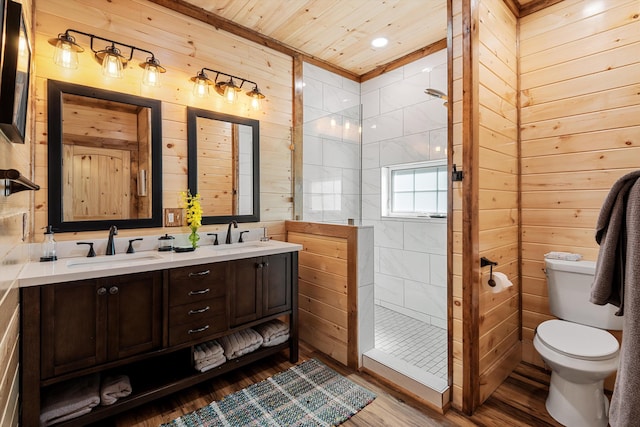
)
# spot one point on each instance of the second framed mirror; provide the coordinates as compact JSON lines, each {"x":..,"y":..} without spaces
{"x":224,"y":165}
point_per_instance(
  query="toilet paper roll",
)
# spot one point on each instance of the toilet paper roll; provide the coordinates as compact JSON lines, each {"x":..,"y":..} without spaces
{"x":502,"y":282}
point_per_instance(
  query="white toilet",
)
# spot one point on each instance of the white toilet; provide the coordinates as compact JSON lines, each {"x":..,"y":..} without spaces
{"x":578,"y":349}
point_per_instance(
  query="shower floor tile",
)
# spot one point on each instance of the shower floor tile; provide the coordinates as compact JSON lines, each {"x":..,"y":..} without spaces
{"x":417,"y":343}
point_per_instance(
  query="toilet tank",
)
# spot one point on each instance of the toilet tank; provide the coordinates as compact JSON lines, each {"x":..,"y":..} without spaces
{"x":569,"y":285}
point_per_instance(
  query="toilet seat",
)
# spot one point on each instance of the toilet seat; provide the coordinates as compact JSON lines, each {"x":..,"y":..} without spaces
{"x":578,"y":341}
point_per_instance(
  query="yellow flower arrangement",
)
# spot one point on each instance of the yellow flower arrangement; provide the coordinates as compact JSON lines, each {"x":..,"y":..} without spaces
{"x":194,"y":215}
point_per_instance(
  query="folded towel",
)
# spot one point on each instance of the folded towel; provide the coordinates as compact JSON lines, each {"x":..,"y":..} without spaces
{"x":204,"y":365}
{"x":70,"y":399}
{"x":206,"y":350}
{"x":566,"y":256}
{"x":273,"y":332}
{"x":113,"y":388}
{"x":240,"y":343}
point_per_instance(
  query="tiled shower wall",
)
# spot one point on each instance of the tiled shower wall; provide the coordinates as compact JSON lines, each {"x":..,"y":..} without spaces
{"x":401,"y":124}
{"x":331,"y":155}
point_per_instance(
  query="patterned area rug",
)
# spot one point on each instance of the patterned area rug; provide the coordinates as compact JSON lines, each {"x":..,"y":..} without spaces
{"x":309,"y":394}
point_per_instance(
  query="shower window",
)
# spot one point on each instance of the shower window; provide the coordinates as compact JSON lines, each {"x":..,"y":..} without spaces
{"x":415,"y":190}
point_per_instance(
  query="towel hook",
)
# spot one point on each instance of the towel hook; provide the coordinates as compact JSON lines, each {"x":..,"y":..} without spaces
{"x":483,"y":263}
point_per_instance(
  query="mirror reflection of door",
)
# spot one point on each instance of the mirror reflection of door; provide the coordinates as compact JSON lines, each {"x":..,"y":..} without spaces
{"x":106,"y":156}
{"x":225,"y":177}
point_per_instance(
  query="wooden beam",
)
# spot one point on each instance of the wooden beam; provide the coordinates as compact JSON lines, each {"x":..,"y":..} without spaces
{"x":404,"y":60}
{"x":187,"y":9}
{"x":470,"y":227}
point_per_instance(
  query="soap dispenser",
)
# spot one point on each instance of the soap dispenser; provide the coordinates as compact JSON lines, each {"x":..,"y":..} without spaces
{"x":48,"y":246}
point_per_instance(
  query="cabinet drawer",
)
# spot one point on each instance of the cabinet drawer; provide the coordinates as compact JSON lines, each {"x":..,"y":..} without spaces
{"x":197,"y":330}
{"x":197,"y":283}
{"x":196,"y":311}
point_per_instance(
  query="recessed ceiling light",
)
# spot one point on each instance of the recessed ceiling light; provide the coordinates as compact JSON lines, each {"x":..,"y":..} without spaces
{"x":379,"y":42}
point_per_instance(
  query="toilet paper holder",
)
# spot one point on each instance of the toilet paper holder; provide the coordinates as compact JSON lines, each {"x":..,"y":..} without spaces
{"x":486,"y":262}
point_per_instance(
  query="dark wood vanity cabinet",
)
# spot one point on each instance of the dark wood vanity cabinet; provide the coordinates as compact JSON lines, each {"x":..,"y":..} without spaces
{"x":89,"y":322}
{"x":259,"y":287}
{"x":146,"y":324}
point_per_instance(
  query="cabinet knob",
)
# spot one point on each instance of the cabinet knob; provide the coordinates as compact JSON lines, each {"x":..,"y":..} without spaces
{"x":199,"y":274}
{"x":113,"y":290}
{"x":102,"y":291}
{"x":260,"y":265}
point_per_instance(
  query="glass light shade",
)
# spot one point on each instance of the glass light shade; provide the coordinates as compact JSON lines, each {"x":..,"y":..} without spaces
{"x":112,"y":65}
{"x":200,"y":87}
{"x":229,"y":94}
{"x":65,"y":54}
{"x":151,"y":75}
{"x":256,"y":98}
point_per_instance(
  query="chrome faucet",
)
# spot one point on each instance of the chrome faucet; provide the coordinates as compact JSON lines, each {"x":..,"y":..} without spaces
{"x":235,"y":225}
{"x":111,"y":247}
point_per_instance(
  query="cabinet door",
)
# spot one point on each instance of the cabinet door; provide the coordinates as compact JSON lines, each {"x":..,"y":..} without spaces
{"x":134,"y":314}
{"x":73,"y":329}
{"x":276,"y":284}
{"x":245,"y":290}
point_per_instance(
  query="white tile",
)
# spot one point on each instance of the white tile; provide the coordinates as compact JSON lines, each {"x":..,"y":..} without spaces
{"x":384,"y":126}
{"x":426,"y":236}
{"x":404,"y":94}
{"x":389,"y":289}
{"x":405,"y":264}
{"x":385,"y":79}
{"x":365,"y":256}
{"x":371,"y":181}
{"x":370,"y":104}
{"x":439,"y":78}
{"x":351,"y":181}
{"x":351,"y":86}
{"x":371,"y":207}
{"x":412,"y":148}
{"x":310,"y":116}
{"x":390,"y":234}
{"x":336,"y":99}
{"x":325,"y":76}
{"x":371,"y":155}
{"x":440,"y":323}
{"x":341,"y":154}
{"x":438,"y":144}
{"x":438,"y":269}
{"x":311,"y":150}
{"x":312,"y":93}
{"x":426,"y":64}
{"x":425,"y":116}
{"x":366,"y":322}
{"x":424,"y":298}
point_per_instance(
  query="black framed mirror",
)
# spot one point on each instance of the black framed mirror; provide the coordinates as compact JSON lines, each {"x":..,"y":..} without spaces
{"x":105,"y":159}
{"x":224,"y":165}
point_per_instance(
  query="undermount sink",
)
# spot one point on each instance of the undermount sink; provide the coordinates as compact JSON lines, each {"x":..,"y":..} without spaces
{"x":112,"y":259}
{"x":239,"y":246}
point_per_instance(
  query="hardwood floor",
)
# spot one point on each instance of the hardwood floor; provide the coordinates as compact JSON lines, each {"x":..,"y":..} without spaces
{"x":519,"y":401}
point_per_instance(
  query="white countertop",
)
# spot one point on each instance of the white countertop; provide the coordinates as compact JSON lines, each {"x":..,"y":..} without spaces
{"x":80,"y":268}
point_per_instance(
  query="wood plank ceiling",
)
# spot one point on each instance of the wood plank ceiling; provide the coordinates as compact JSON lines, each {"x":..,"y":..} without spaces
{"x":339,"y":32}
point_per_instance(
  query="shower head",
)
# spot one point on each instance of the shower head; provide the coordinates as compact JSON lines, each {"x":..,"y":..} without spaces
{"x":436,"y":93}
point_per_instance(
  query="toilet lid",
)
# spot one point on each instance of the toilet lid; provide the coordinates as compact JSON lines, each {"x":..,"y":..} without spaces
{"x":575,"y":340}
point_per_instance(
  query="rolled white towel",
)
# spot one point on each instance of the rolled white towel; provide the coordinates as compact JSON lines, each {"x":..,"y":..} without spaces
{"x":240,"y":343}
{"x":113,"y":388}
{"x":204,"y":365}
{"x":566,"y":256}
{"x":206,"y":350}
{"x":273,"y":332}
{"x":70,"y":399}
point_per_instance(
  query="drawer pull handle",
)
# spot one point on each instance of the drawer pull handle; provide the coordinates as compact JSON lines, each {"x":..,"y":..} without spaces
{"x":201,"y":310}
{"x":195,"y":331}
{"x":200,"y":273}
{"x":200,"y":292}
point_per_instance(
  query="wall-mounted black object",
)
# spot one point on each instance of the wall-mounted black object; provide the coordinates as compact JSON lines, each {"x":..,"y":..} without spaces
{"x":16,"y":64}
{"x":456,"y":175}
{"x":483,"y":263}
{"x":15,"y":182}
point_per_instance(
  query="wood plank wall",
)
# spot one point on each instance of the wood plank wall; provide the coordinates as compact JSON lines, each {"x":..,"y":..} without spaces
{"x":327,"y":283}
{"x":183,"y":45}
{"x":14,"y":211}
{"x":498,"y":228}
{"x":456,"y":106}
{"x":580,"y":112}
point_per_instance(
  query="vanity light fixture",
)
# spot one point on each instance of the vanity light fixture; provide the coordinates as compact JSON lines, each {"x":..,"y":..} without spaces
{"x":111,"y":58}
{"x":226,"y":88}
